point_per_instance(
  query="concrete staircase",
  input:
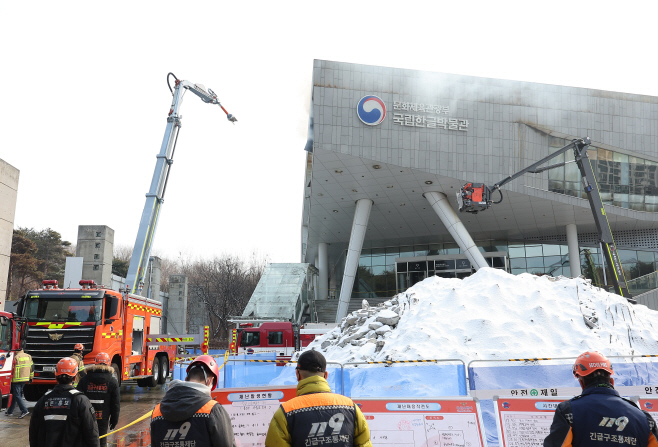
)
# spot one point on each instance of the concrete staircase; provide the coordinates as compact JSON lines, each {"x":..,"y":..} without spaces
{"x":326,"y":309}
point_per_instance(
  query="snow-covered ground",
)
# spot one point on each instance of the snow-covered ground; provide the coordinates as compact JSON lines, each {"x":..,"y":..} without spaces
{"x":493,"y":315}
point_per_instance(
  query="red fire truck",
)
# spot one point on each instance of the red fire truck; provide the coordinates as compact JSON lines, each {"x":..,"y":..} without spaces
{"x":102,"y":320}
{"x":12,"y":334}
{"x":281,"y":337}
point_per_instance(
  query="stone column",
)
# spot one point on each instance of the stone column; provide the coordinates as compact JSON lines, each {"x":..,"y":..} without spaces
{"x":323,"y":267}
{"x":358,"y":234}
{"x":574,"y":250}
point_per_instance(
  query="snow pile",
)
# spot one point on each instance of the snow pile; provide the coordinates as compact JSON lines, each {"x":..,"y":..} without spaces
{"x":493,"y":315}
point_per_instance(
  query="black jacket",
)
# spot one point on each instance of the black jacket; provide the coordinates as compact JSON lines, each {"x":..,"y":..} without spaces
{"x":187,"y":413}
{"x":103,"y":391}
{"x":599,"y":417}
{"x":63,"y":417}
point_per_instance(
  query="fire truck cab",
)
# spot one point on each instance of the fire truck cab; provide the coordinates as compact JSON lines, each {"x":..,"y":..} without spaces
{"x":103,"y":320}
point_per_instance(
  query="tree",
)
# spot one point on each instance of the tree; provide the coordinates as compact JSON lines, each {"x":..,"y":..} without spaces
{"x":51,"y":252}
{"x":23,"y":266}
{"x":223,"y":285}
{"x":120,"y":267}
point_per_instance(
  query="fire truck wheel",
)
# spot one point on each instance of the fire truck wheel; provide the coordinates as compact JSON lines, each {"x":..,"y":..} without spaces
{"x":117,"y":373}
{"x":155,"y":374}
{"x":34,"y":392}
{"x":164,"y":369}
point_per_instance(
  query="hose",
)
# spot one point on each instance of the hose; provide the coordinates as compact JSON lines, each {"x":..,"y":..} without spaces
{"x":501,"y":196}
{"x":168,"y":84}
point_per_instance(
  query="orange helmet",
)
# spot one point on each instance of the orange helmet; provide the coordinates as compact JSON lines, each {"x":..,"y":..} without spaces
{"x":210,"y":363}
{"x":103,"y":358}
{"x":67,"y":367}
{"x":78,"y":347}
{"x":591,"y":361}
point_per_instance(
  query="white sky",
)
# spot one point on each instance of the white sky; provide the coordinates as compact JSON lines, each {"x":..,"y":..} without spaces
{"x":84,"y":98}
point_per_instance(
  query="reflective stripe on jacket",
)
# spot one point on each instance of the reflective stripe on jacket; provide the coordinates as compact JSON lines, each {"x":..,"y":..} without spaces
{"x":315,"y":416}
{"x":23,"y":370}
{"x":599,"y":417}
{"x":193,"y":430}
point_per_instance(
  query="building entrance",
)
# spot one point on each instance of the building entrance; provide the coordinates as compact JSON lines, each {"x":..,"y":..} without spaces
{"x":410,"y":271}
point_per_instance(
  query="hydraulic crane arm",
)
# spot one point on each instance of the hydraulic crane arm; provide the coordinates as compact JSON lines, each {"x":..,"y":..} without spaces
{"x":155,"y":196}
{"x":475,"y":197}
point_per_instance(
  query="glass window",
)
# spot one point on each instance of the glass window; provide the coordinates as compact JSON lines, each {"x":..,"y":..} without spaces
{"x":556,"y":173}
{"x":535,"y":262}
{"x":250,"y":338}
{"x":275,"y":338}
{"x":451,"y":249}
{"x":498,"y":246}
{"x":517,"y":263}
{"x":553,"y":261}
{"x":364,"y":259}
{"x":407,"y":252}
{"x":434,"y":249}
{"x":378,"y":256}
{"x":533,"y":250}
{"x":518,"y":271}
{"x":551,"y":250}
{"x":378,"y":269}
{"x":517,"y":251}
{"x":420,"y":250}
{"x":564,"y":250}
{"x":62,"y":309}
{"x":391,"y":254}
{"x":5,"y":337}
{"x":627,"y":256}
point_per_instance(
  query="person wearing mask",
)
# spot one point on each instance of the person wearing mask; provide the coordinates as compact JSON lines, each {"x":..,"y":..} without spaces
{"x":188,"y":414}
{"x":316,"y":406}
{"x":64,"y":417}
{"x":103,"y":392}
{"x":23,"y":373}
{"x":77,"y":356}
{"x":599,"y":417}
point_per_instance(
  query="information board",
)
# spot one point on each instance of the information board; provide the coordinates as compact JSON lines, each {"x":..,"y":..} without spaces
{"x":251,"y":410}
{"x":426,"y":422}
{"x":525,"y":422}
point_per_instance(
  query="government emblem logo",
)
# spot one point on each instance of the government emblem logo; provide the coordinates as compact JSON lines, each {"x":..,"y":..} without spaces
{"x":371,"y":110}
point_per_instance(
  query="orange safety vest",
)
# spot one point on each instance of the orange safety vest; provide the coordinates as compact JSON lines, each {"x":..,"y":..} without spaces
{"x":195,"y":428}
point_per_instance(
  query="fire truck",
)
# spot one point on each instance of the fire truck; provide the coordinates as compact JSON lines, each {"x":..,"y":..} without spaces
{"x":280,"y":337}
{"x":12,"y":336}
{"x":125,"y":326}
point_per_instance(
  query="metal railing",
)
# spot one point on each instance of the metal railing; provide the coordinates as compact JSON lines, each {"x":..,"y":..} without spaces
{"x":643,"y":283}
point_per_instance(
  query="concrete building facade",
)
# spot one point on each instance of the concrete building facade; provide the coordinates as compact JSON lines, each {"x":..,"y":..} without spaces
{"x":96,"y":244}
{"x":8,"y":195}
{"x":389,"y":148}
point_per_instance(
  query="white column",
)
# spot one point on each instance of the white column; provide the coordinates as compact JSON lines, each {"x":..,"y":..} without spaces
{"x":323,"y":267}
{"x":456,"y":228}
{"x":358,"y":234}
{"x":574,"y":250}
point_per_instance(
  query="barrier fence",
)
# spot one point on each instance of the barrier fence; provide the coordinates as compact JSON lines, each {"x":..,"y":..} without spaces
{"x":482,"y":380}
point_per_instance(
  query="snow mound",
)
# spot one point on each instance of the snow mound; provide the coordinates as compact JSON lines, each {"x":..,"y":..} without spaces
{"x":493,"y":315}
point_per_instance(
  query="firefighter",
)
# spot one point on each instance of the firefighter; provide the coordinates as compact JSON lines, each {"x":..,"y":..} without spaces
{"x":188,"y":414}
{"x":64,"y":416}
{"x":316,"y":406}
{"x":23,"y":373}
{"x":599,"y":417}
{"x":77,"y":356}
{"x":102,"y":389}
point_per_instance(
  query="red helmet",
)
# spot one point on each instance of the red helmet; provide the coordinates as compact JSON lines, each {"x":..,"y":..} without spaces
{"x":67,"y":367}
{"x":210,"y":363}
{"x":78,"y":347}
{"x":103,"y":358}
{"x":591,"y":361}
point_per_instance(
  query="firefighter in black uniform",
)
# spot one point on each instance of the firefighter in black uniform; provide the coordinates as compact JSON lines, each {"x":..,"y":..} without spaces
{"x":188,"y":414}
{"x":64,"y":417}
{"x":599,"y":417}
{"x":103,"y":391}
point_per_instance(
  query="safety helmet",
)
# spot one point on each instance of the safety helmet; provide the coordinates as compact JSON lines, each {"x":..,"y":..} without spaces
{"x":103,"y":358}
{"x":210,"y":363}
{"x":591,"y":361}
{"x":67,"y":367}
{"x":78,"y":347}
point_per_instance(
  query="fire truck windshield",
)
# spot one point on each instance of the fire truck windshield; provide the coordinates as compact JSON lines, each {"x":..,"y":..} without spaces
{"x":5,"y":337}
{"x":63,"y":309}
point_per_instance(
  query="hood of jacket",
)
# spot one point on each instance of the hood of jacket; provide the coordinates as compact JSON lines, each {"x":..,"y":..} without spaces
{"x":99,"y":373}
{"x":313,"y":384}
{"x":183,"y":399}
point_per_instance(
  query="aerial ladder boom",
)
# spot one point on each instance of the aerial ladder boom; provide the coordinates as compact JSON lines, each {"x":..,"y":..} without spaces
{"x":155,"y":196}
{"x":475,"y":197}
